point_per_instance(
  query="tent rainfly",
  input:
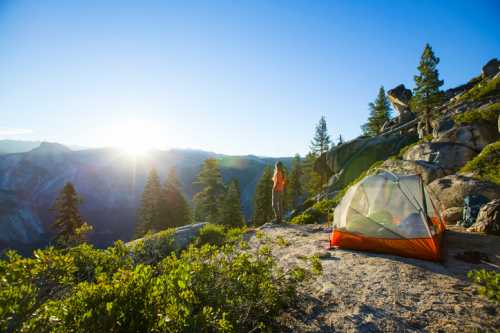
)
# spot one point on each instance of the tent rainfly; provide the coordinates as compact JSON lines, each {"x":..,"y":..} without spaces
{"x":389,"y":213}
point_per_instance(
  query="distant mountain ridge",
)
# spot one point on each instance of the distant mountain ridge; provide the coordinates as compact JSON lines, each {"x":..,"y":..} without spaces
{"x":109,"y":181}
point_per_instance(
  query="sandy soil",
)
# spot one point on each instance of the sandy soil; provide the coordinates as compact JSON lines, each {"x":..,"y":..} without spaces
{"x":368,"y":292}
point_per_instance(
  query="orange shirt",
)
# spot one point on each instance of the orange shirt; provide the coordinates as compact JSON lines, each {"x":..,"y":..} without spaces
{"x":279,"y":182}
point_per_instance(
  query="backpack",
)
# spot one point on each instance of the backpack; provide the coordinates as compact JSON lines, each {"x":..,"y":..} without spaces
{"x":472,"y":205}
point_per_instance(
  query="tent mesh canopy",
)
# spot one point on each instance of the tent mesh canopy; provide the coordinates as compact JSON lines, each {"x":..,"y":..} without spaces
{"x":388,"y":206}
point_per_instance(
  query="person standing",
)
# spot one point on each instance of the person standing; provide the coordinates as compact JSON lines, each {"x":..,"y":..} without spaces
{"x":279,"y":183}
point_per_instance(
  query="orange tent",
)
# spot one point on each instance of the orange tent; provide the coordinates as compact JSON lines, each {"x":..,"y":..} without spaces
{"x":389,"y":213}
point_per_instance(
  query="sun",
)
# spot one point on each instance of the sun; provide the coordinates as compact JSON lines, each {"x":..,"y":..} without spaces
{"x":135,"y":137}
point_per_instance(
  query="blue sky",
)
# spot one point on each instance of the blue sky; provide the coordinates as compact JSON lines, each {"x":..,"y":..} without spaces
{"x":235,"y":77}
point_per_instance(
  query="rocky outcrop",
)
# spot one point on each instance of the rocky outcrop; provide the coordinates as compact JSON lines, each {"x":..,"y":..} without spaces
{"x":344,"y":163}
{"x":491,"y":68}
{"x":488,"y":219}
{"x":452,"y":189}
{"x":181,"y":237}
{"x":428,"y":171}
{"x":475,"y":136}
{"x":400,"y":98}
{"x":449,"y":156}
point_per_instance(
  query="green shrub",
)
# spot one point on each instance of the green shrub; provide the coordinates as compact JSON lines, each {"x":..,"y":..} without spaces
{"x":205,"y":289}
{"x":488,"y":283}
{"x":152,"y":247}
{"x":324,"y":206}
{"x":202,"y":289}
{"x":310,"y":216}
{"x":488,"y":114}
{"x":486,"y":165}
{"x":213,"y":234}
{"x":482,"y":89}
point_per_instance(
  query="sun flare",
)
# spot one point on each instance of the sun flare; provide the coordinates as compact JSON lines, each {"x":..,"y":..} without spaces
{"x":135,"y":137}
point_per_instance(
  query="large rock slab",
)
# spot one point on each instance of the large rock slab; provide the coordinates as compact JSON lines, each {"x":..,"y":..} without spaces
{"x":475,"y":136}
{"x":428,"y":171}
{"x":181,"y":237}
{"x":345,"y":162}
{"x":448,"y":155}
{"x":451,"y":190}
{"x":488,"y":220}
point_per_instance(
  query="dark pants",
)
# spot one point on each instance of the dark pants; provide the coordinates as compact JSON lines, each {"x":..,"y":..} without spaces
{"x":278,"y":205}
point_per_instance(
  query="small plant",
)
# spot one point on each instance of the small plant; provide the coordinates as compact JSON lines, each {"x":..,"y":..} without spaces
{"x":260,"y":235}
{"x":316,"y":266}
{"x":488,"y":282}
{"x":281,"y":241}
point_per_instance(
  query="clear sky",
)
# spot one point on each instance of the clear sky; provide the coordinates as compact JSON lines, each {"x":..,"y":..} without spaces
{"x":235,"y":77}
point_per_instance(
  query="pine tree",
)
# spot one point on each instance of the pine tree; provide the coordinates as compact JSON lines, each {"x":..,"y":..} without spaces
{"x":149,"y":211}
{"x":380,"y":113}
{"x":321,"y":141}
{"x":426,"y":92}
{"x":319,"y":145}
{"x":263,"y":209}
{"x":230,"y":211}
{"x":294,"y":187}
{"x":69,"y":225}
{"x":174,"y":208}
{"x":208,"y":200}
{"x":340,"y":140}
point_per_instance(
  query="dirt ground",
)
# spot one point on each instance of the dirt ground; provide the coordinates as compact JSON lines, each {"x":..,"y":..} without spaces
{"x":369,"y":292}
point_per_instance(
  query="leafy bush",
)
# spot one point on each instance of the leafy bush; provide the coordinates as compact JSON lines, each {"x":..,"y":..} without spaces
{"x":213,"y":234}
{"x":324,"y":206}
{"x":152,"y":247}
{"x":310,"y":216}
{"x":488,"y":281}
{"x":482,"y":89}
{"x":486,"y":165}
{"x":486,"y":114}
{"x":205,"y":288}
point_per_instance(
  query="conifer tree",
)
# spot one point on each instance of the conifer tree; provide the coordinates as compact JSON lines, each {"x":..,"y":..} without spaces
{"x":426,"y":92}
{"x":230,"y":211}
{"x":149,"y":211}
{"x":174,"y":208}
{"x":263,"y":209}
{"x":340,"y":140}
{"x":380,"y":113}
{"x":294,"y":180}
{"x":207,"y":201}
{"x":69,"y":225}
{"x":321,"y":141}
